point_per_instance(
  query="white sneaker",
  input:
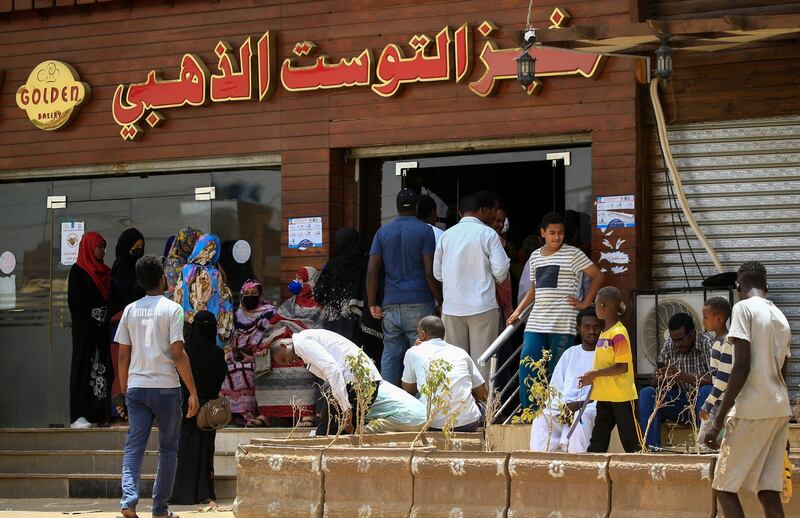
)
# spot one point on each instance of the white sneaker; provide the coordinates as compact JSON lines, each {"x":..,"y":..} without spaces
{"x":81,"y":422}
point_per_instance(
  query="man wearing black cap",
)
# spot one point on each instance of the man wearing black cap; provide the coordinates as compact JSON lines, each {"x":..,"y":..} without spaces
{"x":404,"y":248}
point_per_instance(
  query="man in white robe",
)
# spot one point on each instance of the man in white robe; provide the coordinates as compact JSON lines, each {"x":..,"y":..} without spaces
{"x":547,"y":433}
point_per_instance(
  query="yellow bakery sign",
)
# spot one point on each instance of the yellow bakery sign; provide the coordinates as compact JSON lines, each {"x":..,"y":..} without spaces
{"x":53,"y":95}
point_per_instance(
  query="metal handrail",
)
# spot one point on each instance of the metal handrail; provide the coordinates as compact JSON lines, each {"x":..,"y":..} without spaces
{"x":490,"y":355}
{"x":504,"y":336}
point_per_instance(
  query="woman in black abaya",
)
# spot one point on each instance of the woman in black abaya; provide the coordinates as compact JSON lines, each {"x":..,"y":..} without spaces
{"x":194,"y":479}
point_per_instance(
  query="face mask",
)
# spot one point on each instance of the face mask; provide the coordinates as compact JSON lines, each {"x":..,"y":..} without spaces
{"x":137,"y":254}
{"x":250,"y":301}
{"x":295,"y":287}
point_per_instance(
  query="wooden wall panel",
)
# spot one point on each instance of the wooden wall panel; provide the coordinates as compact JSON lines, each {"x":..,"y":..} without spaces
{"x":681,"y":9}
{"x":109,"y":44}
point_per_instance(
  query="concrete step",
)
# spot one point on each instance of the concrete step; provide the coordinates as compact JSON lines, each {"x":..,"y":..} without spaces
{"x":50,"y":485}
{"x":92,"y":462}
{"x":51,"y":439}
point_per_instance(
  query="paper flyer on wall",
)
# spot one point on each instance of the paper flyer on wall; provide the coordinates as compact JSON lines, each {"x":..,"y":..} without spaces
{"x":616,"y":211}
{"x":305,"y":233}
{"x":71,"y":234}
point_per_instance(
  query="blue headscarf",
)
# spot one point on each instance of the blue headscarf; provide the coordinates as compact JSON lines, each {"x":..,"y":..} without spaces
{"x":201,"y":287}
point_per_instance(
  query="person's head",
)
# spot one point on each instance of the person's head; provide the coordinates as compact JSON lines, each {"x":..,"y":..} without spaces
{"x":150,"y":273}
{"x":467,"y":206}
{"x":751,"y":278}
{"x":716,"y":312}
{"x":251,"y":294}
{"x":204,"y":327}
{"x":426,"y":209}
{"x":407,"y":202}
{"x":131,"y":244}
{"x":206,"y":251}
{"x":608,"y":304}
{"x":282,"y":351}
{"x":499,"y":220}
{"x":347,"y":242}
{"x":682,"y":332}
{"x":589,"y":327}
{"x":485,"y":205}
{"x":552,"y":230}
{"x":429,"y":328}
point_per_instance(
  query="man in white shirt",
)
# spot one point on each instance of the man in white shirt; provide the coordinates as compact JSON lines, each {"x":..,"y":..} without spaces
{"x":150,"y":338}
{"x":470,"y":261}
{"x":547,"y":432}
{"x":325,"y":353}
{"x":756,"y":401}
{"x":466,"y":383}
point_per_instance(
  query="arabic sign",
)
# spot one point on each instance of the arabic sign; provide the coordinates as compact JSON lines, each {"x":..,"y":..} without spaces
{"x":52,"y":95}
{"x":71,"y":234}
{"x":446,"y":57}
{"x":305,"y":233}
{"x":612,"y":211}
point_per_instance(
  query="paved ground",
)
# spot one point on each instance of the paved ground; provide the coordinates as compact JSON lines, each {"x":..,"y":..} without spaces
{"x":63,"y":508}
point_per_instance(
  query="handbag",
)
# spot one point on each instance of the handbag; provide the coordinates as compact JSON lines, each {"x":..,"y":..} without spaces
{"x":215,"y":414}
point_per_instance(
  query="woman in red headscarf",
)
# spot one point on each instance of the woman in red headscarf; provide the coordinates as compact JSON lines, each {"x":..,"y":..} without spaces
{"x":91,"y":373}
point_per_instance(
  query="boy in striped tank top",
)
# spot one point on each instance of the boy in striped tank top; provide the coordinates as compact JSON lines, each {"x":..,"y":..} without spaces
{"x":716,"y":313}
{"x":555,"y":278}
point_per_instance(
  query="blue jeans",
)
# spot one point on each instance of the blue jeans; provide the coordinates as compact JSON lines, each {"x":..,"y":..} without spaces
{"x":144,"y":404}
{"x":676,"y":410}
{"x":533,"y":345}
{"x":400,"y":322}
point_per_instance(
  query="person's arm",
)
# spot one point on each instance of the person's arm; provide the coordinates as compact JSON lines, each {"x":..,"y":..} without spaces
{"x":411,"y":388}
{"x":589,"y":376}
{"x":498,"y":259}
{"x":596,"y":276}
{"x":314,"y":354}
{"x":480,"y":393}
{"x":184,"y":369}
{"x":433,"y":285}
{"x":527,"y":300}
{"x":373,"y":270}
{"x":124,"y":363}
{"x":437,"y":261}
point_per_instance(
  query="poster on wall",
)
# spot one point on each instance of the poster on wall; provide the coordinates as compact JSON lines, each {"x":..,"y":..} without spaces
{"x":616,"y":211}
{"x":305,"y":233}
{"x":71,"y":234}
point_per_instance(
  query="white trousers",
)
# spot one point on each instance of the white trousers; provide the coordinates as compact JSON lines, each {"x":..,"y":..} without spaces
{"x":542,"y":430}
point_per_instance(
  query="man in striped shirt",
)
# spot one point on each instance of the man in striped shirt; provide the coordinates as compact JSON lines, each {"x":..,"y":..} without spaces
{"x":716,"y":313}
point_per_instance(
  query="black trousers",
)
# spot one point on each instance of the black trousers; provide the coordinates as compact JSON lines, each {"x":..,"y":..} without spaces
{"x":623,"y":416}
{"x":325,"y":428}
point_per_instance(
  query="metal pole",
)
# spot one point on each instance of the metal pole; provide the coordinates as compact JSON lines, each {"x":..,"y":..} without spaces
{"x":490,"y":395}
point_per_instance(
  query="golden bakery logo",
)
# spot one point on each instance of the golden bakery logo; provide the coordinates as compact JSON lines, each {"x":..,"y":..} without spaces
{"x":53,"y":95}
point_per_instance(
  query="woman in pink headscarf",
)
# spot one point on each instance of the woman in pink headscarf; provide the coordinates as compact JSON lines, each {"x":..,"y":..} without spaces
{"x":250,"y":325}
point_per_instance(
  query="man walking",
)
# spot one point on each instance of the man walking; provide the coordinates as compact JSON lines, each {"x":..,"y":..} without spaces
{"x":470,"y":262}
{"x":756,"y":401}
{"x":404,"y":248}
{"x":150,"y":336}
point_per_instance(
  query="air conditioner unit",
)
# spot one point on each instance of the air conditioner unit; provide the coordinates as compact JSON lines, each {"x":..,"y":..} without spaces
{"x":651,"y":322}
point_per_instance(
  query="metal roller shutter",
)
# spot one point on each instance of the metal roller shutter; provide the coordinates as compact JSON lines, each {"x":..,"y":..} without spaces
{"x":742,"y":179}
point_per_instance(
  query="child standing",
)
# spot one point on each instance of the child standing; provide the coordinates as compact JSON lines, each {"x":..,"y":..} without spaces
{"x":555,"y":275}
{"x":612,"y":378}
{"x":716,"y":312}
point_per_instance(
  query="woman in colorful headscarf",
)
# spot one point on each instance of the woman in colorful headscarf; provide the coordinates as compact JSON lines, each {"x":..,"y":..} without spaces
{"x":250,"y":325}
{"x":179,"y":252}
{"x":202,"y":287}
{"x":288,"y":391}
{"x":88,"y":296}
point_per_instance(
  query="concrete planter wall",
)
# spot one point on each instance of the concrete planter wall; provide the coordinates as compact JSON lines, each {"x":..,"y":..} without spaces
{"x":368,"y":482}
{"x":459,"y":484}
{"x":661,"y":486}
{"x":279,"y":482}
{"x":559,"y":485}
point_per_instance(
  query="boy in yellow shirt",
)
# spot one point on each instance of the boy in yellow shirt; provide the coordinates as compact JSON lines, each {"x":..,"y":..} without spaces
{"x":612,"y":378}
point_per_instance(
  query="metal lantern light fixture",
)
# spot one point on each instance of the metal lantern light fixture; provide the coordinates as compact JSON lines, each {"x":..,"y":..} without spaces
{"x":664,"y":59}
{"x":526,"y":64}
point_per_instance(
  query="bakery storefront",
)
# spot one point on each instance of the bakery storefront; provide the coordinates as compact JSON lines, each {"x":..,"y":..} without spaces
{"x":275,"y":124}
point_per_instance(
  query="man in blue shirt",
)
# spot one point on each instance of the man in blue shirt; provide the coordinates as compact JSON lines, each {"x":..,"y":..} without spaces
{"x":404,"y":249}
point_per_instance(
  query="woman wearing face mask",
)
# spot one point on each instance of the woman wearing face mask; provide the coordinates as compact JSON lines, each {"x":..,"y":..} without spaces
{"x":250,"y":325}
{"x":124,"y":288}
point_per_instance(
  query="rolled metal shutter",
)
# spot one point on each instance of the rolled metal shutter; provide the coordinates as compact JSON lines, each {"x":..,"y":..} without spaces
{"x":742,"y":180}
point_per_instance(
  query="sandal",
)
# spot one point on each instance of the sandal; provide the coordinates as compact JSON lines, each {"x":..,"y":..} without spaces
{"x":306,"y":422}
{"x":257,"y":422}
